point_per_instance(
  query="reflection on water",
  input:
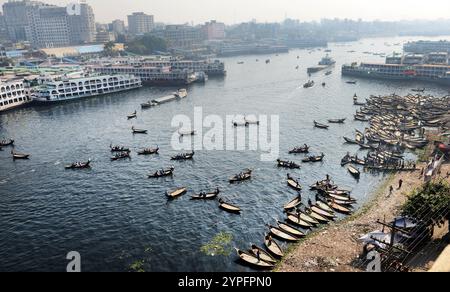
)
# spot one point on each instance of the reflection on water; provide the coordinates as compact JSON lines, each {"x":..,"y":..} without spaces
{"x":119,"y":220}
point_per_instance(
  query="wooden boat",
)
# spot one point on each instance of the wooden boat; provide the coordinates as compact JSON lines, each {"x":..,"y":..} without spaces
{"x":300,"y":150}
{"x":357,"y":103}
{"x":176,"y":193}
{"x":289,"y":229}
{"x":418,"y":90}
{"x":316,"y":216}
{"x":324,"y":206}
{"x":361,"y":118}
{"x":187,"y":133}
{"x":340,"y":208}
{"x":79,"y":165}
{"x":306,"y":217}
{"x":277,"y":232}
{"x":324,"y":84}
{"x":138,"y":131}
{"x":251,"y":122}
{"x":350,"y":141}
{"x":263,"y":255}
{"x":354,"y":171}
{"x":293,"y":183}
{"x":287,"y":164}
{"x":5,"y":143}
{"x":328,"y":73}
{"x":19,"y":156}
{"x":162,"y":173}
{"x":314,"y":158}
{"x":243,"y":176}
{"x":273,"y":246}
{"x":321,"y":126}
{"x":293,"y":204}
{"x":121,"y":155}
{"x":149,"y":151}
{"x":321,"y":212}
{"x":206,"y":196}
{"x":132,"y":116}
{"x":229,"y":207}
{"x":294,"y":218}
{"x":337,"y":121}
{"x":351,"y":82}
{"x":344,"y":198}
{"x":253,"y":260}
{"x":119,"y":149}
{"x":184,"y":156}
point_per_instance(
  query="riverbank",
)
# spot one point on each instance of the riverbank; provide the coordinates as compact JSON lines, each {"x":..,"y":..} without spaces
{"x":335,"y":248}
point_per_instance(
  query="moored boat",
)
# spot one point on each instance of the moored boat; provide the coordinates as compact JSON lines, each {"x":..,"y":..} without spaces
{"x":254,"y":260}
{"x":138,"y":131}
{"x":183,"y":156}
{"x":263,"y":255}
{"x":279,"y":233}
{"x":5,"y":143}
{"x":320,"y":125}
{"x":293,"y":183}
{"x":273,"y":246}
{"x":149,"y":151}
{"x":289,"y":229}
{"x":293,"y":204}
{"x":354,"y":171}
{"x":19,"y":156}
{"x":287,"y":164}
{"x":243,"y":176}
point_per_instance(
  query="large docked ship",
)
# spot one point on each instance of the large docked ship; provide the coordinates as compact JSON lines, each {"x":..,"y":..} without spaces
{"x":13,"y":94}
{"x":159,"y":76}
{"x":325,"y":63}
{"x":209,"y":67}
{"x":57,"y":89}
{"x":410,"y":67}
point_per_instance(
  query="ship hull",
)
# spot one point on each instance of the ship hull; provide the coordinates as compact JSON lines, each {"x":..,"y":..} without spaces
{"x":379,"y":76}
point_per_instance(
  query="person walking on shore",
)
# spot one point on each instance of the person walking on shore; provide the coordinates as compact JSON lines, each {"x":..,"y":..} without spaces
{"x":391,"y":190}
{"x":400,"y":184}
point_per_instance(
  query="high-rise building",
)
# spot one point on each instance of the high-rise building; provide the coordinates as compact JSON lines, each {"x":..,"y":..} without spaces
{"x":140,"y":23}
{"x":47,"y":26}
{"x":214,"y":30}
{"x":182,"y":36}
{"x":82,"y":26}
{"x":4,"y":36}
{"x":118,"y":27}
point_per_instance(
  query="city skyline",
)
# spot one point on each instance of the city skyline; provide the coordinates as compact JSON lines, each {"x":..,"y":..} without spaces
{"x":232,"y":11}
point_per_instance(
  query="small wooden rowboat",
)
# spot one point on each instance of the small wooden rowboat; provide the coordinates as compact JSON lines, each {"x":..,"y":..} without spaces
{"x":293,"y":183}
{"x":149,"y":151}
{"x":162,"y":173}
{"x":313,"y":159}
{"x":354,"y":171}
{"x":186,"y":133}
{"x":263,"y":255}
{"x":318,"y":217}
{"x":121,"y":155}
{"x":119,"y":149}
{"x":5,"y":143}
{"x":300,"y":150}
{"x":19,"y":156}
{"x":132,"y":116}
{"x":320,"y":126}
{"x":279,"y":233}
{"x":307,"y":218}
{"x":79,"y":165}
{"x":321,"y":212}
{"x":340,"y":208}
{"x":287,"y":164}
{"x":243,"y":176}
{"x":293,"y":204}
{"x":229,"y":207}
{"x":176,"y":193}
{"x":295,"y":218}
{"x":183,"y":156}
{"x":138,"y":131}
{"x":324,"y":206}
{"x":273,"y":246}
{"x":337,"y":121}
{"x":206,"y":196}
{"x":291,"y":230}
{"x":253,"y":260}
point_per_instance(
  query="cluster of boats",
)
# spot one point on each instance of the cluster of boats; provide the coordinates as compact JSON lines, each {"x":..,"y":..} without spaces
{"x":300,"y":218}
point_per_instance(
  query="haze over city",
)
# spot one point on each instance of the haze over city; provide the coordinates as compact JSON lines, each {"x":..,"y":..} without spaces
{"x":235,"y":11}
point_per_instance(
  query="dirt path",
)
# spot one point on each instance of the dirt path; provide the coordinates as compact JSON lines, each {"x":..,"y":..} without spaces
{"x":335,"y":248}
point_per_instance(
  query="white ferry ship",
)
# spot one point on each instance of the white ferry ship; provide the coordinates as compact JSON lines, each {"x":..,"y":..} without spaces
{"x":68,"y":88}
{"x":13,"y":94}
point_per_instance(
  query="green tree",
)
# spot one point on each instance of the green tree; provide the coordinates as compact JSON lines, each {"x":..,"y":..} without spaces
{"x":147,"y":44}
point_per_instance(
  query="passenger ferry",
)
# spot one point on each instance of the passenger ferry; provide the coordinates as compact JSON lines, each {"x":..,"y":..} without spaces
{"x":13,"y":94}
{"x":60,"y":89}
{"x":325,"y":63}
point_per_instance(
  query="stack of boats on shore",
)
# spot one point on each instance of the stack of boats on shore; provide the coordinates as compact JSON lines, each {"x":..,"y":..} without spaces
{"x":300,"y":218}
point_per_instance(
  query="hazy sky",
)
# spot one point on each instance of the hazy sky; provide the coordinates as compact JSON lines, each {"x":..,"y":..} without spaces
{"x":233,"y":11}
